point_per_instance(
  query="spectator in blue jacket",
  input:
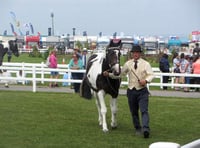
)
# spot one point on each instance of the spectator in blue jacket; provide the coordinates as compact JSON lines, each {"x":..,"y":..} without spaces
{"x":164,"y":67}
{"x":76,"y":63}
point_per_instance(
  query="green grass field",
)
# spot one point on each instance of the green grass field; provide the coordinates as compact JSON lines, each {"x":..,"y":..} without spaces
{"x":60,"y":120}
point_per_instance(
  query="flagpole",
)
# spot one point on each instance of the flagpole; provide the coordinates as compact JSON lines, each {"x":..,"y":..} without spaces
{"x":52,"y":16}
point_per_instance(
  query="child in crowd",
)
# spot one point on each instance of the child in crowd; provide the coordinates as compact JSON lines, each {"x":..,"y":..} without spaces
{"x":177,"y":70}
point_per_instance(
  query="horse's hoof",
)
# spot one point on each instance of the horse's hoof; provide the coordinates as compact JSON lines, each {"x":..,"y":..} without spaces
{"x":114,"y":127}
{"x":105,"y":130}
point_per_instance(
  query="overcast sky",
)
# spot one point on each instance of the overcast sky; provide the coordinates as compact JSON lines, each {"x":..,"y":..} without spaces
{"x":140,"y":17}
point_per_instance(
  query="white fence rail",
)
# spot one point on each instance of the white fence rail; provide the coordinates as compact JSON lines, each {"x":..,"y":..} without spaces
{"x":24,"y":50}
{"x":37,"y":73}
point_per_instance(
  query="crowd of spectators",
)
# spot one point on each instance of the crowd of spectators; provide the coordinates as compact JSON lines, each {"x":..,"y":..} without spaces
{"x":184,"y":64}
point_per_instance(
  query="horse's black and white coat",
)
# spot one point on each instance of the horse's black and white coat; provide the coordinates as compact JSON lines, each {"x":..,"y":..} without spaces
{"x":94,"y":81}
{"x":8,"y":45}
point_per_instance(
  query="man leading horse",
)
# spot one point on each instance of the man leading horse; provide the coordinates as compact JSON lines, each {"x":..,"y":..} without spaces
{"x":139,"y":73}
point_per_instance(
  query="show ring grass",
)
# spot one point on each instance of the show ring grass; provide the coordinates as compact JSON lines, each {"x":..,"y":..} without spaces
{"x":60,"y":120}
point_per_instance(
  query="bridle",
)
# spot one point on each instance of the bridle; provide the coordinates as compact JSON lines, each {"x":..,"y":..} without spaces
{"x":112,"y":49}
{"x":109,"y":52}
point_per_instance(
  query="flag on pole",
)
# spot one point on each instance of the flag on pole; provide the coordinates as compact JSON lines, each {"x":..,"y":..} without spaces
{"x":31,"y":27}
{"x":12,"y":27}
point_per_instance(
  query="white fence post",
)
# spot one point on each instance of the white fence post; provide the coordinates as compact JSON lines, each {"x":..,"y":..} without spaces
{"x":42,"y":72}
{"x":69,"y":75}
{"x":34,"y":78}
{"x":23,"y":72}
{"x":161,"y":80}
{"x":172,"y":82}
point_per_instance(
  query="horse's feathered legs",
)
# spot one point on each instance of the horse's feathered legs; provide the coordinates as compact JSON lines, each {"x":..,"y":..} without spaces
{"x":101,"y":106}
{"x":99,"y":111}
{"x":113,"y":106}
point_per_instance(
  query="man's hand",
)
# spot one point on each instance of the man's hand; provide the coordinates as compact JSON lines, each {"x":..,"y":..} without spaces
{"x":105,"y":73}
{"x":142,"y":82}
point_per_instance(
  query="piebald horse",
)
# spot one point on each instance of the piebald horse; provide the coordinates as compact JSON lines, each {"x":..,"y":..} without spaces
{"x":8,"y":45}
{"x":94,"y":81}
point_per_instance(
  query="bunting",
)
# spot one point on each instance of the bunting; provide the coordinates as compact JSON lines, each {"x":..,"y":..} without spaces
{"x":17,"y":23}
{"x":12,"y":29}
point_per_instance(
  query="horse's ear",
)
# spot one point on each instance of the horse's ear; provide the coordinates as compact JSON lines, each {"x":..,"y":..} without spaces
{"x":120,"y":42}
{"x":107,"y":51}
{"x":115,"y":43}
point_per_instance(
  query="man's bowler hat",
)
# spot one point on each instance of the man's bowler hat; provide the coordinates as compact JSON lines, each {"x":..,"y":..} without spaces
{"x":136,"y":48}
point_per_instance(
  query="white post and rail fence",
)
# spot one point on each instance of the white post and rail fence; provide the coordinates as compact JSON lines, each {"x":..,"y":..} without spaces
{"x":40,"y":73}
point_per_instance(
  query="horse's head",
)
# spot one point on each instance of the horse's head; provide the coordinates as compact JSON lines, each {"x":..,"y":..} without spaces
{"x":13,"y":47}
{"x":113,"y":59}
{"x":113,"y":56}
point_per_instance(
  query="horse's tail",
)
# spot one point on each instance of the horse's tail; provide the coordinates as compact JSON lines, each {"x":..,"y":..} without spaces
{"x":85,"y":90}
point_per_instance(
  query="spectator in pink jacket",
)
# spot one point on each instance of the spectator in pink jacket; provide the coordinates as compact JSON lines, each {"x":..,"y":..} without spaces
{"x":196,"y":70}
{"x":53,"y":64}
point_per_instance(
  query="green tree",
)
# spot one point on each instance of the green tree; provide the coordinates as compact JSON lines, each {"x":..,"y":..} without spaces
{"x":79,"y":45}
{"x":35,"y":52}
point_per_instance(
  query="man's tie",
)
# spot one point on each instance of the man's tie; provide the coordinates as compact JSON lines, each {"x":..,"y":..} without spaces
{"x":84,"y":61}
{"x":135,"y":66}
